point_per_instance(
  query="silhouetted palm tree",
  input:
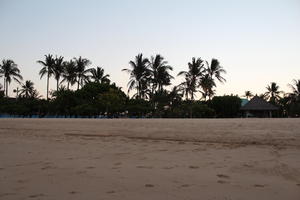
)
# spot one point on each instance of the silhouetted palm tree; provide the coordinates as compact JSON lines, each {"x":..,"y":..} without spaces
{"x":139,"y":75}
{"x":47,"y":69}
{"x":206,"y":84}
{"x":27,"y":89}
{"x":273,"y":93}
{"x":10,"y":71}
{"x":295,"y":95}
{"x":58,"y":69}
{"x":69,"y":73}
{"x":192,"y":77}
{"x":99,"y":76}
{"x":175,"y":95}
{"x":215,"y":70}
{"x":160,"y":73}
{"x":248,"y":94}
{"x":81,"y":71}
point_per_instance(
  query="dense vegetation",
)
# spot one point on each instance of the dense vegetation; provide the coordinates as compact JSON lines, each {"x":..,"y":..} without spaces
{"x":96,"y":96}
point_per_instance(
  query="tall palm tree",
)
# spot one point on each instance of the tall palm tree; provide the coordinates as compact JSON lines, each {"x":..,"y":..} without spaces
{"x":215,"y":70}
{"x":48,"y":66}
{"x":81,"y":71}
{"x":58,"y":69}
{"x":192,"y":76}
{"x":69,"y":73}
{"x":206,"y":84}
{"x":99,"y":76}
{"x":160,"y":73}
{"x":139,"y":75}
{"x":10,"y":71}
{"x":295,"y":95}
{"x":27,"y":89}
{"x":273,"y":93}
{"x":248,"y":94}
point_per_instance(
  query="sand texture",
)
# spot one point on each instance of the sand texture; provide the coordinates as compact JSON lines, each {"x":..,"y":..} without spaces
{"x":135,"y":159}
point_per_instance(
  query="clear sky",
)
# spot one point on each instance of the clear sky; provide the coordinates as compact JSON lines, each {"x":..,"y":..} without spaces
{"x":256,"y":41}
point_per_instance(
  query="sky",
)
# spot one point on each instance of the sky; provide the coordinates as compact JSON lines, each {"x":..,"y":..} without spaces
{"x":256,"y":41}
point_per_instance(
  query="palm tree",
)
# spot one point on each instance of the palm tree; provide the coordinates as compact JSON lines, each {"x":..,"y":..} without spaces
{"x":206,"y":84}
{"x":81,"y":71}
{"x":99,"y":76}
{"x":192,"y":76}
{"x":295,"y":95}
{"x":58,"y":69}
{"x":48,"y":66}
{"x":27,"y":89}
{"x":215,"y":70}
{"x":10,"y":71}
{"x":273,"y":93}
{"x":248,"y":94}
{"x":139,"y":75}
{"x":69,"y":73}
{"x":175,"y":95}
{"x":160,"y":73}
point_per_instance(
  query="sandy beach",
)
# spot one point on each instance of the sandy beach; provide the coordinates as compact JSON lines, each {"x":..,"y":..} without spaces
{"x":134,"y":159}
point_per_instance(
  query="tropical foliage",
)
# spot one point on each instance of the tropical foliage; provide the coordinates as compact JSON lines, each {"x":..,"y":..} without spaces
{"x":82,"y":91}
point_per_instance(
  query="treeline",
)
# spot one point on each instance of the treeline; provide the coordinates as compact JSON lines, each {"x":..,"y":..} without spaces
{"x":88,"y":92}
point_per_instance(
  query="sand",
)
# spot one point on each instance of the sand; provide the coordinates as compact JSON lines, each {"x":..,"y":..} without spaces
{"x":134,"y":159}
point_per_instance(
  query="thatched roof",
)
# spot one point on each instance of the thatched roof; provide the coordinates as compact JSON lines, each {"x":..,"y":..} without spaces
{"x":257,"y":103}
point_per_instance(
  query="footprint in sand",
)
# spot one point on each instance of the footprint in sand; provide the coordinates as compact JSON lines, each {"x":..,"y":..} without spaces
{"x":73,"y":192}
{"x":144,"y":167}
{"x":47,"y":167}
{"x":90,"y":167}
{"x":111,"y":192}
{"x":185,"y":185}
{"x":223,"y":176}
{"x":193,"y":167}
{"x":149,"y":185}
{"x":36,"y":195}
{"x":222,"y":181}
{"x":258,"y":185}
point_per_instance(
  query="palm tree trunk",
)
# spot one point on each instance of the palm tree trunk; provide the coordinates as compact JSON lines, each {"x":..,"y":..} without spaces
{"x":6,"y":88}
{"x":68,"y":85}
{"x":78,"y":84}
{"x":57,"y":84}
{"x":4,"y":85}
{"x":47,"y":86}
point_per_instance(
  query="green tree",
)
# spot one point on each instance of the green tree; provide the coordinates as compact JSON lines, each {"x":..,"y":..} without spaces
{"x":58,"y":69}
{"x":206,"y":84}
{"x":10,"y":72}
{"x":81,"y":71}
{"x":273,"y":93}
{"x":248,"y":94}
{"x":139,"y":76}
{"x":295,"y":95}
{"x":69,"y":73}
{"x":192,"y":77}
{"x":48,"y":66}
{"x":99,"y":76}
{"x":160,"y":75}
{"x":27,"y":89}
{"x":214,"y":71}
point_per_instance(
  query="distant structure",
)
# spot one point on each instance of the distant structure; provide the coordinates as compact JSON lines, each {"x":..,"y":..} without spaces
{"x":258,"y":107}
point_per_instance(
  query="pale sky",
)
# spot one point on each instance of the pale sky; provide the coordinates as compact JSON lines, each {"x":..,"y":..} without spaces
{"x":256,"y":41}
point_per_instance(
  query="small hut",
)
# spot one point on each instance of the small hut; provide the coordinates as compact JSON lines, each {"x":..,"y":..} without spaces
{"x":258,"y":107}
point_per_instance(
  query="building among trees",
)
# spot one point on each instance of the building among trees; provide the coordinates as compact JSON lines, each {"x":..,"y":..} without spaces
{"x":258,"y":107}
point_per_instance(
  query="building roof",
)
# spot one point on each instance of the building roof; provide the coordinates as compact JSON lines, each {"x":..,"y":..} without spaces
{"x":257,"y":103}
{"x":244,"y":102}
